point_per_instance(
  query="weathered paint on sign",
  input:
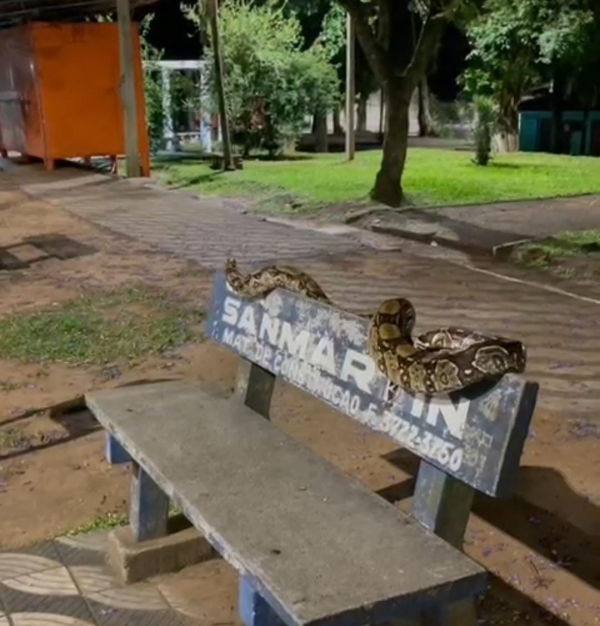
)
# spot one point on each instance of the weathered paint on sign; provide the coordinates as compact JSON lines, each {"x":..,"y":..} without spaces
{"x":476,"y":436}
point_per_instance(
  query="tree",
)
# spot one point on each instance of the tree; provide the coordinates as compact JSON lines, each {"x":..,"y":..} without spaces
{"x":366,"y":85}
{"x":272,"y":84}
{"x":330,"y":40}
{"x":486,"y":116}
{"x":153,"y":94}
{"x":218,"y":82}
{"x":399,"y":61}
{"x":568,"y":47}
{"x":584,"y":79}
{"x":517,"y":45}
{"x":426,"y":123}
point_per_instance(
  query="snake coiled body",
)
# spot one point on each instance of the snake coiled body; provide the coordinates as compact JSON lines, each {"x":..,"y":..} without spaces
{"x":439,"y":361}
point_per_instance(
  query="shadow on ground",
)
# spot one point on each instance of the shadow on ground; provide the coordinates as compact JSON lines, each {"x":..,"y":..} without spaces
{"x":560,"y":538}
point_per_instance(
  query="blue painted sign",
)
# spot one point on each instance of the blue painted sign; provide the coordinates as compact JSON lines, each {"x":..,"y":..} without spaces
{"x":476,"y":435}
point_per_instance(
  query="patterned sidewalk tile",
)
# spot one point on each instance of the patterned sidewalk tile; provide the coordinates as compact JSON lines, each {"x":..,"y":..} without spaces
{"x":36,"y":559}
{"x":51,"y":592}
{"x":66,"y":583}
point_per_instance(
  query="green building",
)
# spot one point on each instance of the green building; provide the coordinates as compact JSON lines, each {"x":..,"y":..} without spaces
{"x":580,"y":132}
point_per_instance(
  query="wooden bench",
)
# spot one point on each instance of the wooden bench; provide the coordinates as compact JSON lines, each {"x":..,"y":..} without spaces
{"x":311,"y":544}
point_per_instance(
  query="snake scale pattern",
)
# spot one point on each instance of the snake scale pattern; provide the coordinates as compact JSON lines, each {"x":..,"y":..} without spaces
{"x":439,"y":361}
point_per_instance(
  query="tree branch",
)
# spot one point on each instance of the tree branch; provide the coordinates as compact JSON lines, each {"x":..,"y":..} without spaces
{"x":384,"y":30}
{"x":376,"y":54}
{"x":426,"y":48}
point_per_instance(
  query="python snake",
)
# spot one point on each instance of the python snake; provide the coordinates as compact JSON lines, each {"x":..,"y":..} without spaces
{"x":439,"y":361}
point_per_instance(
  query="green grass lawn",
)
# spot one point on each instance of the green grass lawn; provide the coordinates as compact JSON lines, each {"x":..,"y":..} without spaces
{"x":560,"y":247}
{"x":99,"y":328}
{"x":433,"y":177}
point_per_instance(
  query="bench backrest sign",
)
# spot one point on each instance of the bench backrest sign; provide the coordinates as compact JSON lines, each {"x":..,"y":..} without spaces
{"x":476,"y":436}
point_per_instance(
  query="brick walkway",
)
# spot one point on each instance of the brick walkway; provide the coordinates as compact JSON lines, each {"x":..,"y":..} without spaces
{"x":179,"y":224}
{"x":562,"y":334}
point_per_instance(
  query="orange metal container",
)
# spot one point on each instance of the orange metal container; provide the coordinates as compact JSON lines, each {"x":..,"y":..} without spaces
{"x":60,"y":92}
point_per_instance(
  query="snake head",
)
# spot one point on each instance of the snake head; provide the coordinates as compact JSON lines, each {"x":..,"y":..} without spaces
{"x":231,"y":265}
{"x":397,"y":313}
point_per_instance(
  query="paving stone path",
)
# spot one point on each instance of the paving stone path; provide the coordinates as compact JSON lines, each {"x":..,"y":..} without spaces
{"x":177,"y":223}
{"x":66,"y":583}
{"x":562,"y":334}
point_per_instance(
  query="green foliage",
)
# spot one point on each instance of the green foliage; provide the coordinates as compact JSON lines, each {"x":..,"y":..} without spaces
{"x":518,"y":44}
{"x":272,"y":84}
{"x":332,"y":38}
{"x":485,"y":123}
{"x":183,"y":90}
{"x":570,"y":254}
{"x":153,"y":88}
{"x":109,"y":521}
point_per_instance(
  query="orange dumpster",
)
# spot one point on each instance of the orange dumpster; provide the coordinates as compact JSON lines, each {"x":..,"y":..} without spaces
{"x":60,"y":92}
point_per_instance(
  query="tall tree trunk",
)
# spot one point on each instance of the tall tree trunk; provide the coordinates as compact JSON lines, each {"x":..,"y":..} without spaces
{"x":507,"y":137}
{"x":584,"y":132}
{"x":426,"y":125}
{"x":557,"y":115}
{"x":388,"y":184}
{"x":382,"y":120}
{"x":337,"y":122}
{"x":363,"y":101}
{"x":320,"y":130}
{"x":228,"y":163}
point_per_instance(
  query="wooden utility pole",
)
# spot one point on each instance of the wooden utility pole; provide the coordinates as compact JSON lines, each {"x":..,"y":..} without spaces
{"x":350,"y":86}
{"x":213,"y":10}
{"x":128,"y":90}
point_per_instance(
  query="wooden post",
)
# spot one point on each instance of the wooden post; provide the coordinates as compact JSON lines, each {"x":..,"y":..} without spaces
{"x":350,"y":86}
{"x":128,"y":90}
{"x":213,"y":7}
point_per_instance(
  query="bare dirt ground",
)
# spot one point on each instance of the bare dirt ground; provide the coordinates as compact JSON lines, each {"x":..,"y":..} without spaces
{"x":53,"y":476}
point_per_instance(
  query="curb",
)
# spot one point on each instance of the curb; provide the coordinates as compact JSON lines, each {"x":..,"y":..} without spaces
{"x":500,"y":251}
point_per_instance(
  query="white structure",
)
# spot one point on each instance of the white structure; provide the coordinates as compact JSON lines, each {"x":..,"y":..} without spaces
{"x":204,"y":135}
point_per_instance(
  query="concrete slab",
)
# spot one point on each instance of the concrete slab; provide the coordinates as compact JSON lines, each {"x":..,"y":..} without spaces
{"x":428,"y":226}
{"x":490,"y":228}
{"x":319,"y":544}
{"x":133,"y":561}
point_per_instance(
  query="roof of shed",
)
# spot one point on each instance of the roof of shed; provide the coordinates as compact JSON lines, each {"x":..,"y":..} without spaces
{"x":545,"y":103}
{"x":13,"y":12}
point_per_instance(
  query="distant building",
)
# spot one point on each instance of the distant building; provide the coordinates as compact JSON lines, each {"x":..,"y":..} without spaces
{"x":580,"y":131}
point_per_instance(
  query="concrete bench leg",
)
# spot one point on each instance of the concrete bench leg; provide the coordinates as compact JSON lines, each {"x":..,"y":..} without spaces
{"x":253,"y":608}
{"x":149,"y":508}
{"x":146,"y":548}
{"x":114,"y":451}
{"x":457,"y":614}
{"x":443,"y":505}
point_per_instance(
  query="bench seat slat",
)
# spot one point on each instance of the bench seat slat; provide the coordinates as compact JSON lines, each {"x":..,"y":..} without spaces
{"x":319,"y":546}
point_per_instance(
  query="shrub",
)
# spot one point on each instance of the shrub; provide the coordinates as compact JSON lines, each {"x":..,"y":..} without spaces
{"x":485,"y":124}
{"x":271,"y":84}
